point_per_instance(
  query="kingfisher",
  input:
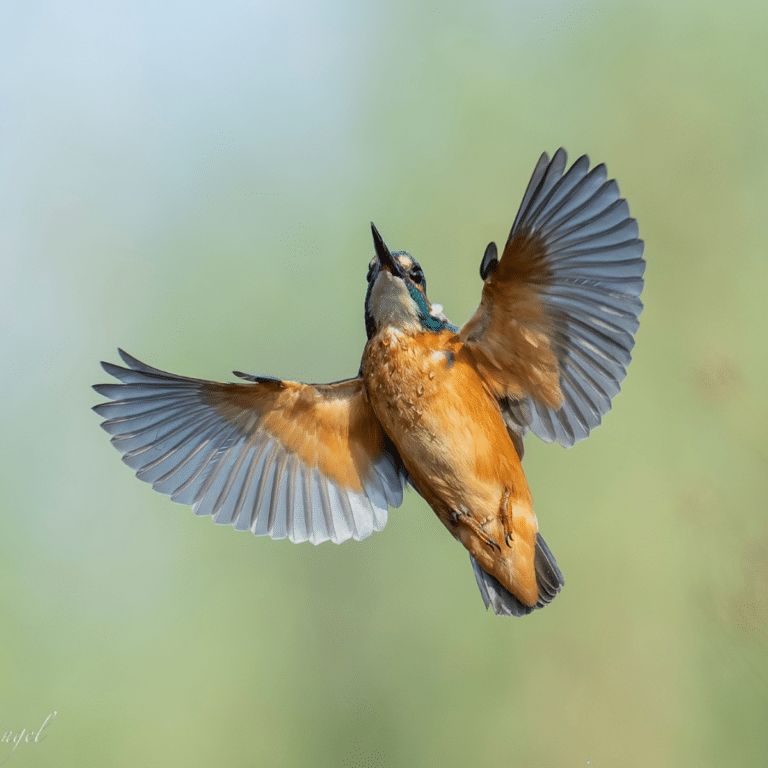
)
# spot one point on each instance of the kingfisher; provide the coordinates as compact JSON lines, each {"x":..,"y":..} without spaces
{"x":442,"y":408}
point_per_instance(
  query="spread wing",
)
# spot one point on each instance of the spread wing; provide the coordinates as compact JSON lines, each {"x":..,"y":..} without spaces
{"x":555,"y":326}
{"x":278,"y":458}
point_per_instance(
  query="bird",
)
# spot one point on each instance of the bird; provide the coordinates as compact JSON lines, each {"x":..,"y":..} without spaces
{"x":438,"y":407}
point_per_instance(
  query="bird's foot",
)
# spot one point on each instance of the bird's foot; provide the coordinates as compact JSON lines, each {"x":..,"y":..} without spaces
{"x":461,"y":517}
{"x":507,"y":518}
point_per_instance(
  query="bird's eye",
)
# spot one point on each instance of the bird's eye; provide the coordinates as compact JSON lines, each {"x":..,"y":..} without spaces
{"x":417,"y":275}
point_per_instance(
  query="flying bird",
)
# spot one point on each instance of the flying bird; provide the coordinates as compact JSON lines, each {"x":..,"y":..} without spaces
{"x":441,"y":408}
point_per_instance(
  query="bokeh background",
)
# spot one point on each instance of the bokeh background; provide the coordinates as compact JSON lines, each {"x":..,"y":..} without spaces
{"x":193,"y":181}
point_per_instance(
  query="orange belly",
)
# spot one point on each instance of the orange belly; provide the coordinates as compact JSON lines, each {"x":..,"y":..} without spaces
{"x":428,"y":396}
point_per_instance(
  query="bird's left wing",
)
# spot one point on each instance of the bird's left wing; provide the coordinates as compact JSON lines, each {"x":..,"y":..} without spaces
{"x":555,"y":326}
{"x":279,"y":458}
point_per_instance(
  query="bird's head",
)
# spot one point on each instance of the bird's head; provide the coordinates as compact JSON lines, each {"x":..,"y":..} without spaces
{"x":397,"y":293}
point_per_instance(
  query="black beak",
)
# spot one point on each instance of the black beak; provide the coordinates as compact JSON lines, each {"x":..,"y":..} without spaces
{"x":385,"y":257}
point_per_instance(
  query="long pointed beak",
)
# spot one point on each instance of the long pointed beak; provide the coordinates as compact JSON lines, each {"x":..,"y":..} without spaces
{"x":385,"y":257}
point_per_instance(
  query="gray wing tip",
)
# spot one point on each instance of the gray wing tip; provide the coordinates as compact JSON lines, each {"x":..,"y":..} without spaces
{"x":560,"y":156}
{"x":129,"y":360}
{"x":112,"y":368}
{"x":132,"y":363}
{"x":136,"y":365}
{"x":105,"y":365}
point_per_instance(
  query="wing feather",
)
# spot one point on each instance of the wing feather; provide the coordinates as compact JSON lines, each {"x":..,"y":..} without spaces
{"x":281,"y":459}
{"x":555,"y":327}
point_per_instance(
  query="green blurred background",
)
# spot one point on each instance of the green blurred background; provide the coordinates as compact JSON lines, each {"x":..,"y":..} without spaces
{"x":193,"y":182}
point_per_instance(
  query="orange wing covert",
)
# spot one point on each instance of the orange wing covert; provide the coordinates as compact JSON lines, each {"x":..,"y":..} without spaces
{"x":306,"y":461}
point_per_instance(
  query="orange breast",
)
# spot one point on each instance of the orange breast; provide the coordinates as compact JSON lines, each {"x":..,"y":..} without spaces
{"x":431,"y":401}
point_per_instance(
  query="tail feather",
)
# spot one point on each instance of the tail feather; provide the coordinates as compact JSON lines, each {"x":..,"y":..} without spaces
{"x":548,"y":579}
{"x":548,"y":576}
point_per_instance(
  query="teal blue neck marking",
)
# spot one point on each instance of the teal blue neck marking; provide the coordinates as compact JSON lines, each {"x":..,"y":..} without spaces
{"x":428,"y":323}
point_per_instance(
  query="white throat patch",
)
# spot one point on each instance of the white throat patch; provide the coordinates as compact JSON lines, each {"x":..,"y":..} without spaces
{"x":391,"y":304}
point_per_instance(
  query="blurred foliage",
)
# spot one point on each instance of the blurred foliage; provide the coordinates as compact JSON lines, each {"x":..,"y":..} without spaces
{"x":194,"y":183}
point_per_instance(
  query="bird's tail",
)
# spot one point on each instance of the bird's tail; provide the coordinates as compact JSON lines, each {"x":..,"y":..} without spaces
{"x":548,"y":579}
